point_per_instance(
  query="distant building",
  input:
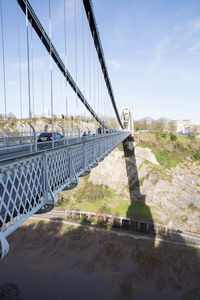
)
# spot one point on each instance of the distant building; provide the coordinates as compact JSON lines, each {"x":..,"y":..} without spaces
{"x":47,"y":113}
{"x":183,"y":126}
{"x":59,"y":116}
{"x":2,"y":117}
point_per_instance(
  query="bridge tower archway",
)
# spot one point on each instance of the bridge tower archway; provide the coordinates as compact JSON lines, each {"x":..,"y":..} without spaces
{"x":127,"y":118}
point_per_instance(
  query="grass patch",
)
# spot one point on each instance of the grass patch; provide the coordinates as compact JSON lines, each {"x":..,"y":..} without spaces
{"x":170,"y":149}
{"x":89,"y":197}
{"x":94,"y":192}
{"x":103,"y":200}
{"x":120,"y":147}
{"x":139,"y":211}
{"x":166,"y":159}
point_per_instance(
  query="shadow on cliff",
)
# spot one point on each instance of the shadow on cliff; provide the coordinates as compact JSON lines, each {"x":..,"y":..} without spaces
{"x":138,"y":209}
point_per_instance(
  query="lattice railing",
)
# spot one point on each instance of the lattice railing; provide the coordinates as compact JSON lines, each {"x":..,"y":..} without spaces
{"x":27,"y":184}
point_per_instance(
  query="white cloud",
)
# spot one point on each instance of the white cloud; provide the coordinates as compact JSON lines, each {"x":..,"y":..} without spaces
{"x":116,"y":65}
{"x":161,"y":48}
{"x":194,"y":25}
{"x":189,"y":27}
{"x":194,"y":47}
{"x":179,"y":27}
{"x":183,"y":32}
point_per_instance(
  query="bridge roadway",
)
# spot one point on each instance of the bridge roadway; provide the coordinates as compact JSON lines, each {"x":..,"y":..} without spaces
{"x":29,"y":182}
{"x":24,"y":149}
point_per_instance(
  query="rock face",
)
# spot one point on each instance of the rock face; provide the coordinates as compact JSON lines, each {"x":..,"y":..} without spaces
{"x":143,"y":154}
{"x":112,"y":172}
{"x":173,"y":196}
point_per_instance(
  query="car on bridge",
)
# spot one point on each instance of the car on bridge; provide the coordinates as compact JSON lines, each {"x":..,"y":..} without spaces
{"x":49,"y":136}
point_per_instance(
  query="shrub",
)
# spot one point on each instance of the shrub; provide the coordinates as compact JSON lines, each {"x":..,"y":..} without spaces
{"x":192,"y":206}
{"x":164,"y":135}
{"x":180,"y":147}
{"x":197,"y":155}
{"x":173,"y":137}
{"x":158,"y":136}
{"x":84,"y":220}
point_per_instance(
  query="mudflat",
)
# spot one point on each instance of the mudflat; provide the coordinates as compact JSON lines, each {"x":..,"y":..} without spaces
{"x":49,"y":260}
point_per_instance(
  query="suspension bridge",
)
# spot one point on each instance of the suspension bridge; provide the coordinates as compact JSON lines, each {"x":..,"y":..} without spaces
{"x":33,"y":170}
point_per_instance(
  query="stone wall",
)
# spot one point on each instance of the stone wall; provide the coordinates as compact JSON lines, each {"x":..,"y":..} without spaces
{"x":135,"y":226}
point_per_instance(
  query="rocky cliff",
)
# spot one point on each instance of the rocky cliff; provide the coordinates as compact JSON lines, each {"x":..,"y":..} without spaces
{"x":172,"y":195}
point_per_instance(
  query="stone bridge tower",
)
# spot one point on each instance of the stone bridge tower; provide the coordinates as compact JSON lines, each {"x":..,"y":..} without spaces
{"x":127,"y":118}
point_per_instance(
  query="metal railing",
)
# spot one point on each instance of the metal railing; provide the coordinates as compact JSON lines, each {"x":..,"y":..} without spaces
{"x":31,"y":144}
{"x":11,"y":139}
{"x":31,"y":182}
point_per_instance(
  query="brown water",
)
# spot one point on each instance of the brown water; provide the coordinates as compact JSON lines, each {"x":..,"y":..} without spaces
{"x":73,"y":285}
{"x":35,"y":284}
{"x":48,"y":262}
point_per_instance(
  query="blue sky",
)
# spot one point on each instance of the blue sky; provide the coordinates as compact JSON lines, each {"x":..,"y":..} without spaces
{"x":152,"y":50}
{"x":153,"y":53}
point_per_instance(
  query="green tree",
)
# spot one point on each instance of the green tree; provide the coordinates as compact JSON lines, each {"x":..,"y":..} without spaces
{"x":161,"y":124}
{"x":144,"y":124}
{"x":172,"y":127}
{"x":194,"y":131}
